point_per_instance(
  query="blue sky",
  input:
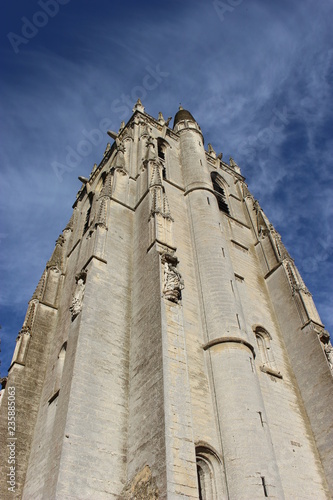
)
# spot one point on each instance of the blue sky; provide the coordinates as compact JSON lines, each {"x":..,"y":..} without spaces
{"x":257,"y":75}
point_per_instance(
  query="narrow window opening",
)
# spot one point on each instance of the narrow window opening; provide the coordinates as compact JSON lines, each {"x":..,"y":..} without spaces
{"x":219,"y":193}
{"x":58,"y":371}
{"x":238,"y":321}
{"x":232,"y":286}
{"x":160,"y":151}
{"x":261,"y":420}
{"x":163,"y":173}
{"x":264,"y":486}
{"x":161,"y":148}
{"x":251,"y":363}
{"x":200,"y":162}
{"x":223,"y":252}
{"x":208,"y":200}
{"x":199,"y":483}
{"x":86,"y":223}
{"x":88,"y":215}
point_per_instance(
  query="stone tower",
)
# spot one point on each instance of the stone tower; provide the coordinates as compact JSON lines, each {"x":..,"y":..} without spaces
{"x":171,"y":349}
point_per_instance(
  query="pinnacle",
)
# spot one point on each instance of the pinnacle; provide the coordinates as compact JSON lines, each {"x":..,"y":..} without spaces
{"x":138,"y":106}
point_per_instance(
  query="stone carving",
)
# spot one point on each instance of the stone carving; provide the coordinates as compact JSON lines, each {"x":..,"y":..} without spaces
{"x":95,"y":165}
{"x":173,"y":283}
{"x":106,"y":190}
{"x":71,"y":221}
{"x":104,"y":196}
{"x":56,"y":259}
{"x":324,"y":338}
{"x":126,"y":133}
{"x":24,"y":336}
{"x":120,"y":156}
{"x":160,"y":204}
{"x":107,"y":149}
{"x":328,"y":349}
{"x":145,"y":130}
{"x":159,"y":200}
{"x":156,"y":178}
{"x":162,"y":121}
{"x":83,"y":179}
{"x":77,"y":300}
{"x":151,"y":153}
{"x":38,"y":293}
{"x":279,"y":246}
{"x":102,"y":212}
{"x":295,"y":280}
{"x":323,"y":334}
{"x":23,"y":340}
{"x":30,"y":316}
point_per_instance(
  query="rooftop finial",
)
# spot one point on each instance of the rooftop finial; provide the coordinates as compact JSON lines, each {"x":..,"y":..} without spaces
{"x":138,"y":106}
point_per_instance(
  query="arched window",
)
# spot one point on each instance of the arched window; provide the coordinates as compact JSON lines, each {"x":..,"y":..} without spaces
{"x":161,"y":148}
{"x":211,"y":483}
{"x":219,"y":193}
{"x":263,"y":339}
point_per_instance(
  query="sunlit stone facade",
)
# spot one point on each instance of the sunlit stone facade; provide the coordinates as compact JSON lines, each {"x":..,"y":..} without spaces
{"x":171,"y":349}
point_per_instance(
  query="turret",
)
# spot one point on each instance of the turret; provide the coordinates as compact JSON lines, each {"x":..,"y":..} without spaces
{"x":228,"y":349}
{"x":193,"y":156}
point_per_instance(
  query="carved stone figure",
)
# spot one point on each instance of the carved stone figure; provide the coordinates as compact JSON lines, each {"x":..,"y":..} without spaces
{"x":77,"y":300}
{"x":151,"y":153}
{"x":329,"y":354}
{"x":173,"y":283}
{"x":120,"y":156}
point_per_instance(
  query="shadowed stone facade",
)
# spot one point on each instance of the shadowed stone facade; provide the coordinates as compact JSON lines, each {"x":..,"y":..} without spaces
{"x":171,"y":349}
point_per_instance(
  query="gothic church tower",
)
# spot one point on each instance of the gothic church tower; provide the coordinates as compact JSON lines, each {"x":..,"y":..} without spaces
{"x":171,"y":349}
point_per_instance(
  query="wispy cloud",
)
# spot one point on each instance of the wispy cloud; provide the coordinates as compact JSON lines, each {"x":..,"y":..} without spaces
{"x":234,"y":76}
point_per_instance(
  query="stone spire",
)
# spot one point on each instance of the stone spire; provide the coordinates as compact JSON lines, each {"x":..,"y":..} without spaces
{"x":57,"y":256}
{"x":139,"y":106}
